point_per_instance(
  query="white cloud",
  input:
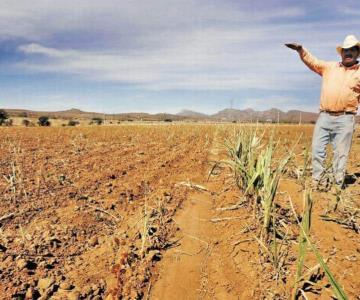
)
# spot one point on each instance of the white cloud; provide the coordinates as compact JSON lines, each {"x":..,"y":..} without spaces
{"x":219,"y":59}
{"x":42,"y":19}
{"x":160,"y":45}
{"x":349,"y":11}
{"x":188,"y":67}
{"x":49,"y":52}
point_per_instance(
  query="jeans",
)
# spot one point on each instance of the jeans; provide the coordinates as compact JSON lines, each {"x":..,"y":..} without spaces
{"x":338,"y":131}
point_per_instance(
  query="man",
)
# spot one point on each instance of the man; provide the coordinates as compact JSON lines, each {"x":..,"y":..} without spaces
{"x":340,"y":96}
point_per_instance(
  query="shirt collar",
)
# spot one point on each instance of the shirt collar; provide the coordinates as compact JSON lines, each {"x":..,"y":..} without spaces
{"x":354,"y":67}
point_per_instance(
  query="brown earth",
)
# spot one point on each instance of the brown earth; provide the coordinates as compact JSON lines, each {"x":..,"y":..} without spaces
{"x":127,"y":212}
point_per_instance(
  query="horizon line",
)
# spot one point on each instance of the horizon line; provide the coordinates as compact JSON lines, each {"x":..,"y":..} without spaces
{"x":154,"y":113}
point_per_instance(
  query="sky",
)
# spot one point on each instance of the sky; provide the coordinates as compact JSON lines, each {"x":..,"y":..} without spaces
{"x":117,"y":56}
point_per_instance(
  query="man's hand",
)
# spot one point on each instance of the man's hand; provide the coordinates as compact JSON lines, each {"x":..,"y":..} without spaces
{"x":294,"y":46}
{"x":356,"y":88}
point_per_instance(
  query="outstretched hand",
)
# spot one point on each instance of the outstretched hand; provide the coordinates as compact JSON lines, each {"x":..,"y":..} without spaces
{"x":294,"y":46}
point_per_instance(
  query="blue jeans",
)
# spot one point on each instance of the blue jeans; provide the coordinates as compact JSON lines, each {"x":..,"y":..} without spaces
{"x":337,"y":131}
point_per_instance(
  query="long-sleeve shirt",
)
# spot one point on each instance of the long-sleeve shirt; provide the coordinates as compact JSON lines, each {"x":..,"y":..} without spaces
{"x":340,"y":89}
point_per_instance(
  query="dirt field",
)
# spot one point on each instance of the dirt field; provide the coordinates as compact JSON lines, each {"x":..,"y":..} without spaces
{"x":129,"y":212}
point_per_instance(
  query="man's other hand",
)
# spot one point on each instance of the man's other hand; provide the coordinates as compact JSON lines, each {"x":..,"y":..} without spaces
{"x":356,"y":88}
{"x":294,"y":46}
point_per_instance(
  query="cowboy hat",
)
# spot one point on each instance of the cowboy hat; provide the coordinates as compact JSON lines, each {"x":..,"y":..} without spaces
{"x":349,"y":42}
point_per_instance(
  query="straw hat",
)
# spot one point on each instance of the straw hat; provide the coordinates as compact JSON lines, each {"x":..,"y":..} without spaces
{"x":350,"y":41}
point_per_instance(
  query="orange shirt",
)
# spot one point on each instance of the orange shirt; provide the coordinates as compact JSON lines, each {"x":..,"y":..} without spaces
{"x":340,"y":89}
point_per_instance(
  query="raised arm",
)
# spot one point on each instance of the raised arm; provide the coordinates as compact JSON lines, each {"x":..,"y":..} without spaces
{"x":311,"y":61}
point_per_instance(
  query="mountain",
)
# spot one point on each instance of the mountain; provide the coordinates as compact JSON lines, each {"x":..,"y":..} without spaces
{"x":230,"y":114}
{"x":66,"y":114}
{"x":271,"y":115}
{"x":82,"y":115}
{"x":192,"y":114}
{"x":226,"y":115}
{"x":306,"y":117}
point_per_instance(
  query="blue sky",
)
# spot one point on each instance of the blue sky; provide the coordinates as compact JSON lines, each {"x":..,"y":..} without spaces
{"x":164,"y":56}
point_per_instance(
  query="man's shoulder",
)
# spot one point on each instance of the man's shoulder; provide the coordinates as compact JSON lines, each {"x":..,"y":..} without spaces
{"x":330,"y":66}
{"x":333,"y":64}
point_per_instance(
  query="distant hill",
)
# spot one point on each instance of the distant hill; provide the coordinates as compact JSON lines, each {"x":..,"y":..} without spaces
{"x":226,"y":115}
{"x":192,"y":114}
{"x":250,"y":115}
{"x":66,"y":114}
{"x":82,"y":115}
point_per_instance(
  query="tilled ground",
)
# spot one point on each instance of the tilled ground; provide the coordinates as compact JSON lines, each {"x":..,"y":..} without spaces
{"x":88,"y":213}
{"x":73,"y":206}
{"x":221,"y":255}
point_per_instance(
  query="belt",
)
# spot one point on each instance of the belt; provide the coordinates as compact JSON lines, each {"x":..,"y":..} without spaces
{"x":338,"y":113}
